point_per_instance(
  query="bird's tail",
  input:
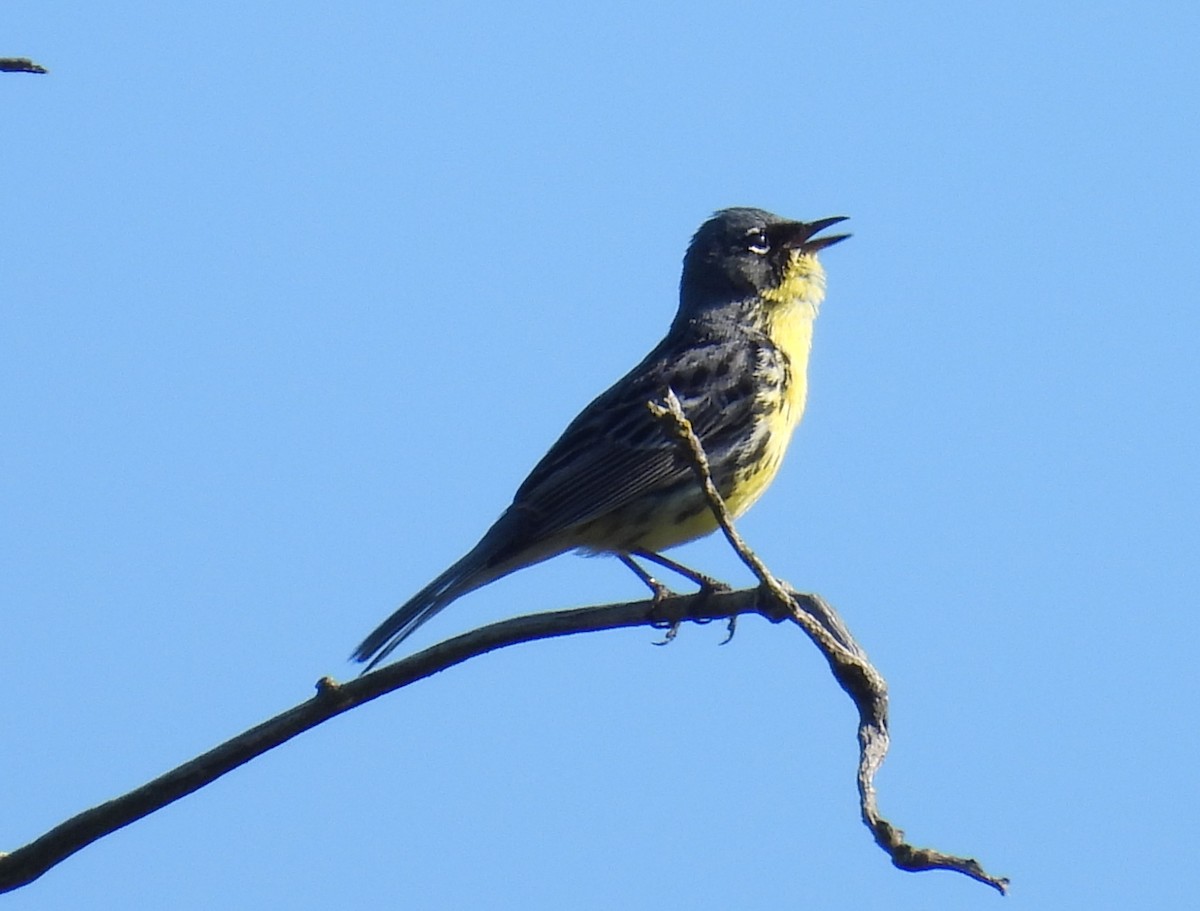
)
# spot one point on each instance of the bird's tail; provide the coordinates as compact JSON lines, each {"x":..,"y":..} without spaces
{"x":491,"y":558}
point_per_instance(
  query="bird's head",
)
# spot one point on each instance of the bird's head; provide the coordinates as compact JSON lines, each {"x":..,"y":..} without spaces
{"x":742,"y":253}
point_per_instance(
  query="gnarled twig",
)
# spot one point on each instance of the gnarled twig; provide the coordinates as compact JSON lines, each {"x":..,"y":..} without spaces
{"x":847,"y":660}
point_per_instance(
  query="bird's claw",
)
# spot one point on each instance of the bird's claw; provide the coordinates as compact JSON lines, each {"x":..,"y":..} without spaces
{"x":672,"y":628}
{"x":730,"y":629}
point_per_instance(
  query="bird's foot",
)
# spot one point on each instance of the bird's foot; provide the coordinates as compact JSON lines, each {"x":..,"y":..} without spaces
{"x":730,"y":629}
{"x":672,"y":628}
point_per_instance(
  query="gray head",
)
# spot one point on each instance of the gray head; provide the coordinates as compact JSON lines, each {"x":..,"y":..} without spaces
{"x":741,"y":253}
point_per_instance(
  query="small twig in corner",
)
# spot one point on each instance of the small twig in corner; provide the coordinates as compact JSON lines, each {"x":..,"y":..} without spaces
{"x":847,"y":660}
{"x":20,"y":65}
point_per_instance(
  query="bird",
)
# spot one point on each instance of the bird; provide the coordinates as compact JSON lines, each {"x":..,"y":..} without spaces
{"x":735,"y":356}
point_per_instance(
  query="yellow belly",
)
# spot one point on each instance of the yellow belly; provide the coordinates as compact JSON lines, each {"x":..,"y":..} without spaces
{"x":666,"y":521}
{"x":659,"y":522}
{"x":790,"y":328}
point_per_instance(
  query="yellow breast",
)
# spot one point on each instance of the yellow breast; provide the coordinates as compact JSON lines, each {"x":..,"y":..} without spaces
{"x":654,"y":523}
{"x":790,"y":313}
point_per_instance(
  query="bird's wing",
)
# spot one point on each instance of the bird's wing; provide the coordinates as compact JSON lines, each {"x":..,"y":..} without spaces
{"x":615,"y":451}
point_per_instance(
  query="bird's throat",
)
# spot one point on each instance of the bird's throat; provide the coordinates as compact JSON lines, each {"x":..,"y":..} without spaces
{"x":790,"y":314}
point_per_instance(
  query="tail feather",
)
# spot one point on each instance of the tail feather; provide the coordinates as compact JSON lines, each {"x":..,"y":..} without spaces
{"x":501,"y":551}
{"x":466,"y":575}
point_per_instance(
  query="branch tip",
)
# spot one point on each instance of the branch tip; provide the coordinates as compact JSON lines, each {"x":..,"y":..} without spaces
{"x":847,"y":661}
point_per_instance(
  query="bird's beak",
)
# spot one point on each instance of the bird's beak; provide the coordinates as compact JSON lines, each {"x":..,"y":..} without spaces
{"x":800,"y":235}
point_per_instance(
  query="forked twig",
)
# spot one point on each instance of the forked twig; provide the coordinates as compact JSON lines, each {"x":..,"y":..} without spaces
{"x":847,"y":660}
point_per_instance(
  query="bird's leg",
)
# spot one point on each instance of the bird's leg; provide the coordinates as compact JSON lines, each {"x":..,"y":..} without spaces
{"x":660,"y":592}
{"x":707,"y":583}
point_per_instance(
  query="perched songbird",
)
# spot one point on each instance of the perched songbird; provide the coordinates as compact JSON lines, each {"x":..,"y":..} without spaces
{"x":736,"y":357}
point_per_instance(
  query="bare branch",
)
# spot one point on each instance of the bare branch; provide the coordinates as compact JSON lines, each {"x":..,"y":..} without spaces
{"x":847,"y":660}
{"x":772,"y":599}
{"x":29,"y":862}
{"x":20,"y":65}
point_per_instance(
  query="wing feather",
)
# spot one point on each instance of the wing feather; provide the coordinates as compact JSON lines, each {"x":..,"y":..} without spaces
{"x":616,"y":452}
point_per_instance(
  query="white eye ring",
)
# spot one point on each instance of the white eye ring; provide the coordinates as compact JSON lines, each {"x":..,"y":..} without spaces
{"x":757,"y":242}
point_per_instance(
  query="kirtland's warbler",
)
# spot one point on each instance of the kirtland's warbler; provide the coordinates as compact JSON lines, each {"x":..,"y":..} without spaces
{"x":736,"y":356}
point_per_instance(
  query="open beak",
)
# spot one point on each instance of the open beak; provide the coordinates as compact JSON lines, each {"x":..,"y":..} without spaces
{"x":801,"y":235}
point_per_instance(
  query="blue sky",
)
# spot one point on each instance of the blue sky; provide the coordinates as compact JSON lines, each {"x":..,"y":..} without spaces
{"x":293,"y":295}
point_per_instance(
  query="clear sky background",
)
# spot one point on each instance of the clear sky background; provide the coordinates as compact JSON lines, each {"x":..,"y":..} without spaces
{"x":292,"y":295}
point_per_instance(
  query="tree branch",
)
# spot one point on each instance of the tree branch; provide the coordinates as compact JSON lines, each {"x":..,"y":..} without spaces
{"x":772,"y":599}
{"x":29,"y":862}
{"x":847,"y":660}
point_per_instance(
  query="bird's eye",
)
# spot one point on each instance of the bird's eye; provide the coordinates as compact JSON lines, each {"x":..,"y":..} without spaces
{"x":756,"y":242}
